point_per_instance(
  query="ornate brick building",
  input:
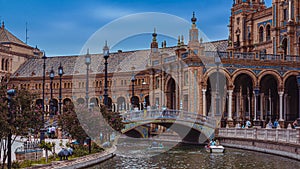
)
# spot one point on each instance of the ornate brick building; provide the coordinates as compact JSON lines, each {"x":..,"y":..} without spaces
{"x":13,"y":52}
{"x":235,"y":75}
{"x":273,"y":30}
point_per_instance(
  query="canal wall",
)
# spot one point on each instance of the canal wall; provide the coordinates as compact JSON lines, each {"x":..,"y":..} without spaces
{"x":81,"y":162}
{"x":282,"y":142}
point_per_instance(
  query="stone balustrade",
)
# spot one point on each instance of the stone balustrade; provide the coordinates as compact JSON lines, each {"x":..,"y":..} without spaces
{"x":291,"y":136}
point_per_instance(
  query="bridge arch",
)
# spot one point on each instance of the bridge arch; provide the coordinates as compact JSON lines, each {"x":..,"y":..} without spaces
{"x":188,"y":132}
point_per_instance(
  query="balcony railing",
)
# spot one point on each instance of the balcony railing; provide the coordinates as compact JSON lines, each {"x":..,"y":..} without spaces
{"x":269,"y":57}
{"x":245,"y":56}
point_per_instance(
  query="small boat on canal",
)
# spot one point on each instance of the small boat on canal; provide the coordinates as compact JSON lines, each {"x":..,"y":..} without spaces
{"x":155,"y":147}
{"x":215,"y":149}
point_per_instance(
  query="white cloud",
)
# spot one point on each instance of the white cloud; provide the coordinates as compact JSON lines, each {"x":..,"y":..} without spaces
{"x":108,"y":12}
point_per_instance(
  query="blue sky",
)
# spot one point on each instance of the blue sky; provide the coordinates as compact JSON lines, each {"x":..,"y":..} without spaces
{"x":62,"y":27}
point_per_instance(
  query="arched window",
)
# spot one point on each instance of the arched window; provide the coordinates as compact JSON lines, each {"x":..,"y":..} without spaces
{"x":268,"y":32}
{"x":2,"y":65}
{"x":6,"y":65}
{"x":261,"y":34}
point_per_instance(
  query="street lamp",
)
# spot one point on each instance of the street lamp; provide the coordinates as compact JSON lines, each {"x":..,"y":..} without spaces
{"x":42,"y":136}
{"x":298,"y":82}
{"x":218,"y":62}
{"x":87,"y":62}
{"x":10,"y":94}
{"x":51,"y":91}
{"x":144,"y":103}
{"x":106,"y":56}
{"x":132,"y":98}
{"x":60,"y":73}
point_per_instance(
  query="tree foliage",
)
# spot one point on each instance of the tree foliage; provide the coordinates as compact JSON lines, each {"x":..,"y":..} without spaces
{"x":80,"y":122}
{"x":25,"y":117}
{"x":69,"y":123}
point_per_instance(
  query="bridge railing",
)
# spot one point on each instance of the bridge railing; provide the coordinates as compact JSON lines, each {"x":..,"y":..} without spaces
{"x":168,"y":114}
{"x":275,"y":135}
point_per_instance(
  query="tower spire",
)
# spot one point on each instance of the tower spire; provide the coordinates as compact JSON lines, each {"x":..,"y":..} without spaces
{"x":194,"y":19}
{"x":154,"y":44}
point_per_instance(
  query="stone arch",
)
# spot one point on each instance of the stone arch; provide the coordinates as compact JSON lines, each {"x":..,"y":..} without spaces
{"x":250,"y":73}
{"x":271,"y":72}
{"x":288,"y":74}
{"x":66,"y":100}
{"x":135,"y":100}
{"x":39,"y":102}
{"x":283,"y":45}
{"x":213,"y":70}
{"x":95,"y":101}
{"x":121,"y":101}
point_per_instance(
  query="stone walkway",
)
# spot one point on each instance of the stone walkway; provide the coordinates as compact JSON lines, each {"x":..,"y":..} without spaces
{"x":80,"y":162}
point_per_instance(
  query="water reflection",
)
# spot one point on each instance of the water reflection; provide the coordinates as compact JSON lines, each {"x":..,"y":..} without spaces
{"x":192,"y":157}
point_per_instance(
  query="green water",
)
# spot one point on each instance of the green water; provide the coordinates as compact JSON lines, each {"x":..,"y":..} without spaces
{"x":136,"y":156}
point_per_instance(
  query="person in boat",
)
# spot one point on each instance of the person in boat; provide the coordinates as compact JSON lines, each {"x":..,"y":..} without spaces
{"x":217,"y":142}
{"x":212,"y":143}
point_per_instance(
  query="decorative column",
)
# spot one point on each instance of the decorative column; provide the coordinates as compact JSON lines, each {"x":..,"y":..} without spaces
{"x":229,"y":119}
{"x":262,"y":106}
{"x":230,"y":105}
{"x":290,"y":11}
{"x":256,"y":122}
{"x":285,"y":106}
{"x":270,"y":104}
{"x":281,"y":121}
{"x":237,"y":103}
{"x":280,"y":106}
{"x":249,"y":103}
{"x":204,"y":102}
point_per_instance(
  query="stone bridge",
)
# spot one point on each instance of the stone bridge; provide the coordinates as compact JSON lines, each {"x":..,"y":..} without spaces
{"x":191,"y":127}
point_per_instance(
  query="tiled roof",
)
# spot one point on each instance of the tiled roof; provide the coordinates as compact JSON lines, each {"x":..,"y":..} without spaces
{"x":117,"y":62}
{"x":7,"y":37}
{"x":221,"y":45}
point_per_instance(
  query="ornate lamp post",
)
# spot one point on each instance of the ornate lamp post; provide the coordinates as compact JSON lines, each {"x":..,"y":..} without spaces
{"x":218,"y":62}
{"x":87,"y":62}
{"x":51,"y":91}
{"x":42,"y":136}
{"x":106,"y":56}
{"x":298,"y":82}
{"x":10,"y":94}
{"x":144,"y":103}
{"x":60,"y":73}
{"x":256,"y":95}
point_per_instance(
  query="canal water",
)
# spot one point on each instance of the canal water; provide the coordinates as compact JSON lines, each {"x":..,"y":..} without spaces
{"x":182,"y":156}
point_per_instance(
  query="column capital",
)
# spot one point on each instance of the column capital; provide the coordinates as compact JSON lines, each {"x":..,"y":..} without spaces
{"x":204,"y":90}
{"x":230,"y":91}
{"x":280,"y":93}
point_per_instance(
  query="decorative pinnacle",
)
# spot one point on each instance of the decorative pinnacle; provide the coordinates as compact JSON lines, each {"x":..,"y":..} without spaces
{"x":178,"y":43}
{"x":194,"y":19}
{"x":154,"y":35}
